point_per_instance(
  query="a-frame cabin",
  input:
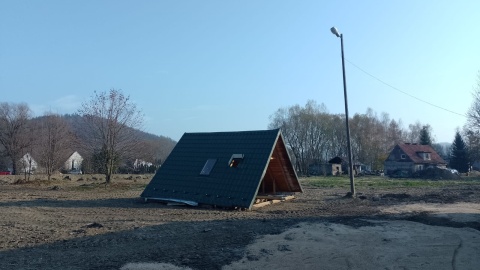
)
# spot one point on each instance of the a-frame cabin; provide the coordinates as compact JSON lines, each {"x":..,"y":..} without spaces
{"x":225,"y":169}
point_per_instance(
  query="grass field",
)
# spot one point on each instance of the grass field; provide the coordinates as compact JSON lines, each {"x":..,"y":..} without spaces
{"x":384,"y":182}
{"x":122,"y":181}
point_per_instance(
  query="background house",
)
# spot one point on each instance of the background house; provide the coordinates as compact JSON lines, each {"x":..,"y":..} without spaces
{"x":142,"y":166}
{"x":73,"y":162}
{"x":408,"y":158}
{"x":324,"y":169}
{"x":139,"y":162}
{"x":336,"y":166}
{"x":28,"y":164}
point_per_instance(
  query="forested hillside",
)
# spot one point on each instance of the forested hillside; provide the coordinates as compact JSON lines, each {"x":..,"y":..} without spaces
{"x":155,"y":148}
{"x":70,"y":134}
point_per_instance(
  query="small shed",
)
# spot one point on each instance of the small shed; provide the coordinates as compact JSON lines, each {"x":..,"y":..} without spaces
{"x":337,"y":164}
{"x":340,"y":165}
{"x":226,"y":169}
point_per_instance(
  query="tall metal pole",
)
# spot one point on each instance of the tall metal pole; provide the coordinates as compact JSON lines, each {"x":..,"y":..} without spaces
{"x":349,"y":148}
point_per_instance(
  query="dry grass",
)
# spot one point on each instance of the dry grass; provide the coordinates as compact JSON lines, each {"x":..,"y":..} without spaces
{"x":74,"y":180}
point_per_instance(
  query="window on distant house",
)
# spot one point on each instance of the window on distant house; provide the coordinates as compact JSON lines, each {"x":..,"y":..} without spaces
{"x":403,"y":156}
{"x":207,"y":168}
{"x":235,"y":160}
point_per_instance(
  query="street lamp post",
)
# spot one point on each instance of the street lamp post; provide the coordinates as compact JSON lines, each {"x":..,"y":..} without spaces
{"x":349,"y":148}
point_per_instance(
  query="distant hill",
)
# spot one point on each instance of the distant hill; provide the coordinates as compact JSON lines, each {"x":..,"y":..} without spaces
{"x":154,"y":148}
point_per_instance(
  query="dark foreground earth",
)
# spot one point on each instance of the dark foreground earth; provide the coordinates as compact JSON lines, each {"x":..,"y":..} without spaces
{"x":81,"y":224}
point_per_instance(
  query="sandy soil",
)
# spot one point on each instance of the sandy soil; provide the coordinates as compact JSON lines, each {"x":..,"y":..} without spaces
{"x":81,"y":224}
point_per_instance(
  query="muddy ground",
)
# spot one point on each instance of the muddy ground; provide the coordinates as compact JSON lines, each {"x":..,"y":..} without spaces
{"x":78,"y":223}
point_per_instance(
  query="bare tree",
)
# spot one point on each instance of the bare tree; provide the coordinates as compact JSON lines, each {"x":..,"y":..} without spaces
{"x":413,"y":135}
{"x":313,"y":135}
{"x":14,"y":135}
{"x":111,"y":119}
{"x":473,"y":114}
{"x":366,"y":130}
{"x":472,"y":138}
{"x":304,"y":129}
{"x":472,"y":128}
{"x":54,"y":142}
{"x":337,"y":137}
{"x":395,"y":135}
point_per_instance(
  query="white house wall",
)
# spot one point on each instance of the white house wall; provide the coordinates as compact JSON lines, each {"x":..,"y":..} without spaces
{"x":73,"y":162}
{"x":28,"y":164}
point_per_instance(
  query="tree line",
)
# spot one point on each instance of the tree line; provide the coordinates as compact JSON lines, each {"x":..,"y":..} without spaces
{"x":314,"y":136}
{"x":106,"y":130}
{"x":109,"y":136}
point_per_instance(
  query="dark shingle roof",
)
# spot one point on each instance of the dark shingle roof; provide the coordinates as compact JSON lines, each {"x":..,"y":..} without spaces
{"x":179,"y":177}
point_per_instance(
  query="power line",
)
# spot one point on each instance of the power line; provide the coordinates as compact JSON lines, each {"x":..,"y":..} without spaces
{"x":405,"y":93}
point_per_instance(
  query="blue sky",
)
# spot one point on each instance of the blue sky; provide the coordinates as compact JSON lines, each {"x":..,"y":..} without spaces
{"x":201,"y":66}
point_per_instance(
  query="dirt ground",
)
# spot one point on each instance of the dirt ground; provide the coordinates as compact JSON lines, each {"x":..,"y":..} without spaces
{"x":78,"y":223}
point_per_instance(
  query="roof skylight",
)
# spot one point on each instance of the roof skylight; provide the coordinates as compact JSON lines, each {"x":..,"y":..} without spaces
{"x":207,"y":168}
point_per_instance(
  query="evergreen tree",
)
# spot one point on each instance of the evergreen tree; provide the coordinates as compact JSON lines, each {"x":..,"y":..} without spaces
{"x":459,"y":154}
{"x":425,"y":138}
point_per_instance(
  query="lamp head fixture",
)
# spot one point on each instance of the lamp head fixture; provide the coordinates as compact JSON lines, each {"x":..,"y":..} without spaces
{"x":335,"y":31}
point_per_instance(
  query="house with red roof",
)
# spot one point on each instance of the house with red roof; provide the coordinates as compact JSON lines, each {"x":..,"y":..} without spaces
{"x":411,"y":157}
